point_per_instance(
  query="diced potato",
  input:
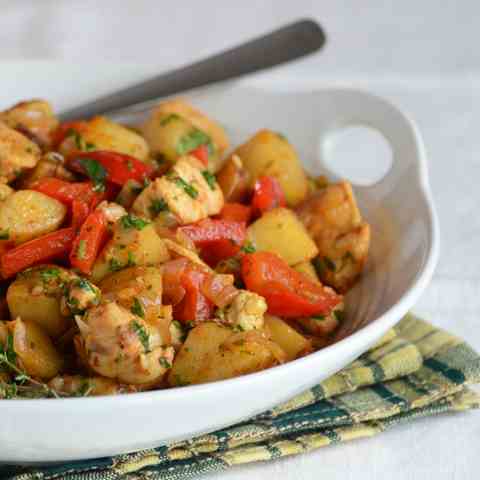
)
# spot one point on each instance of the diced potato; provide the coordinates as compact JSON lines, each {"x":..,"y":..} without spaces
{"x":268,"y":153}
{"x":307,"y":269}
{"x":28,"y":214}
{"x":17,"y":153}
{"x":5,"y":191}
{"x":35,"y":118}
{"x":35,"y":350}
{"x":133,"y":243}
{"x":234,"y":180}
{"x":279,"y":231}
{"x":175,"y":127}
{"x":243,"y":353}
{"x":50,"y":165}
{"x":100,"y":133}
{"x":88,"y":386}
{"x":192,"y":357}
{"x":35,"y":296}
{"x":333,"y":219}
{"x":292,"y":343}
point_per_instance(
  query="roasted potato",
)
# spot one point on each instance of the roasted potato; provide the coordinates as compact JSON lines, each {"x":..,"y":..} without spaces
{"x":323,"y":325}
{"x":35,"y":350}
{"x":333,"y":219}
{"x":134,"y":242}
{"x":234,"y":180}
{"x":27,"y":214}
{"x":307,"y":269}
{"x":35,"y":296}
{"x":34,"y":118}
{"x":279,"y":231}
{"x":269,"y":153}
{"x":17,"y":153}
{"x":100,"y":133}
{"x":175,"y":127}
{"x":78,"y":385}
{"x":292,"y":343}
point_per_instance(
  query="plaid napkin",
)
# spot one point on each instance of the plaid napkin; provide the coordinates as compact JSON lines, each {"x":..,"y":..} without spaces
{"x":416,"y":370}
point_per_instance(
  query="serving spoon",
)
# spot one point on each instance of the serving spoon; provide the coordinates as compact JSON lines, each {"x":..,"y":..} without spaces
{"x":280,"y":46}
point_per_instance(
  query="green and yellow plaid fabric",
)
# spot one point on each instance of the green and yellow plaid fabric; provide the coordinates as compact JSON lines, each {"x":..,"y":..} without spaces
{"x":417,"y":370}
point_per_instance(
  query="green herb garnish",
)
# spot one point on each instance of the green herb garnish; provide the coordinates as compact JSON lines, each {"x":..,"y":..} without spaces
{"x":190,"y":190}
{"x":158,"y":205}
{"x":132,"y":221}
{"x":4,"y":235}
{"x":137,"y":308}
{"x":48,"y":274}
{"x":166,"y":120}
{"x":329,"y":263}
{"x":131,"y":260}
{"x":339,"y":315}
{"x":82,"y":249}
{"x":164,"y":362}
{"x":114,"y":265}
{"x":95,"y":171}
{"x":142,"y":335}
{"x":318,"y":317}
{"x":248,"y":247}
{"x":210,"y":179}
{"x":193,"y":140}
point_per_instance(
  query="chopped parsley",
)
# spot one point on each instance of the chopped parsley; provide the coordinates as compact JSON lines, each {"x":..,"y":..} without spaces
{"x":84,"y":390}
{"x":164,"y":362}
{"x":48,"y":274}
{"x":190,"y":190}
{"x":84,"y":284}
{"x":210,"y":179}
{"x":132,"y":221}
{"x":82,"y":249}
{"x":157,"y":206}
{"x":169,"y":118}
{"x":95,"y":171}
{"x":137,"y":308}
{"x":318,"y":317}
{"x":4,"y":235}
{"x":193,"y":140}
{"x":131,"y":260}
{"x":7,"y":350}
{"x":142,"y":335}
{"x":339,"y":315}
{"x":114,"y":265}
{"x":248,"y":247}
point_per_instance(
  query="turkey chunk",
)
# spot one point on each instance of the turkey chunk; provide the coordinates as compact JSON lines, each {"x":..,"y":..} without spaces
{"x":184,"y":191}
{"x":17,"y":153}
{"x":246,"y":311}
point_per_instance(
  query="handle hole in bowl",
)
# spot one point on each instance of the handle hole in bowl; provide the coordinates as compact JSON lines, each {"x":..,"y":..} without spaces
{"x":359,"y":154}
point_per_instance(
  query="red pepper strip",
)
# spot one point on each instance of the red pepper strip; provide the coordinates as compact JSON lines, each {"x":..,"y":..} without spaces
{"x":236,"y":212}
{"x":80,"y":211}
{"x":288,"y":293}
{"x":267,"y":195}
{"x":217,"y":239}
{"x":42,"y":249}
{"x":62,"y":131}
{"x":89,"y":241}
{"x":201,"y":153}
{"x":67,"y":192}
{"x":119,"y":167}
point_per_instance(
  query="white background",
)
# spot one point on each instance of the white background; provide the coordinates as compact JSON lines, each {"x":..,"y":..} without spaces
{"x":424,"y":56}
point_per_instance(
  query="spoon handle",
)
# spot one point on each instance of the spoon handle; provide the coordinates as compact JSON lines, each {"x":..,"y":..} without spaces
{"x":283,"y":45}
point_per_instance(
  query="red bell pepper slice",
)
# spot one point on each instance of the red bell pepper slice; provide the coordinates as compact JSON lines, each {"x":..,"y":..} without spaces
{"x":89,"y":241}
{"x":267,"y":195}
{"x":201,"y":153}
{"x":39,"y":250}
{"x":119,"y":168}
{"x":80,"y":211}
{"x":288,"y":293}
{"x":64,"y":129}
{"x":217,"y":239}
{"x":236,"y":212}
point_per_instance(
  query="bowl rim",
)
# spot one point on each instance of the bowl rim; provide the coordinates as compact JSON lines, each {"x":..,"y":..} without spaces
{"x":387,"y":319}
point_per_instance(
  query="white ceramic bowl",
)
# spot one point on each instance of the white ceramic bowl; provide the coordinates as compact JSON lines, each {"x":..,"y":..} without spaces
{"x":403,"y":255}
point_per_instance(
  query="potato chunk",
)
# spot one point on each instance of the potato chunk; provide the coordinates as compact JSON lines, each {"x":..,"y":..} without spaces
{"x":35,"y":350}
{"x":268,"y":153}
{"x":175,"y":127}
{"x":34,"y":118}
{"x":17,"y":153}
{"x":28,"y":214}
{"x":333,"y":219}
{"x":280,"y":231}
{"x":134,"y":242}
{"x":100,"y":133}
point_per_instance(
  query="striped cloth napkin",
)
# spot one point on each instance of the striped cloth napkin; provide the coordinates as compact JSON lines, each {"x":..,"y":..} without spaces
{"x":416,"y":370}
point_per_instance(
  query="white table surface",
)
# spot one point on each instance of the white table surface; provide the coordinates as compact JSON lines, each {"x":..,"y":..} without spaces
{"x":422,"y":55}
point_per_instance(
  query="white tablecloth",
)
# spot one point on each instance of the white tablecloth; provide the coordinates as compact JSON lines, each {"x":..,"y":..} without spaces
{"x":422,"y":55}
